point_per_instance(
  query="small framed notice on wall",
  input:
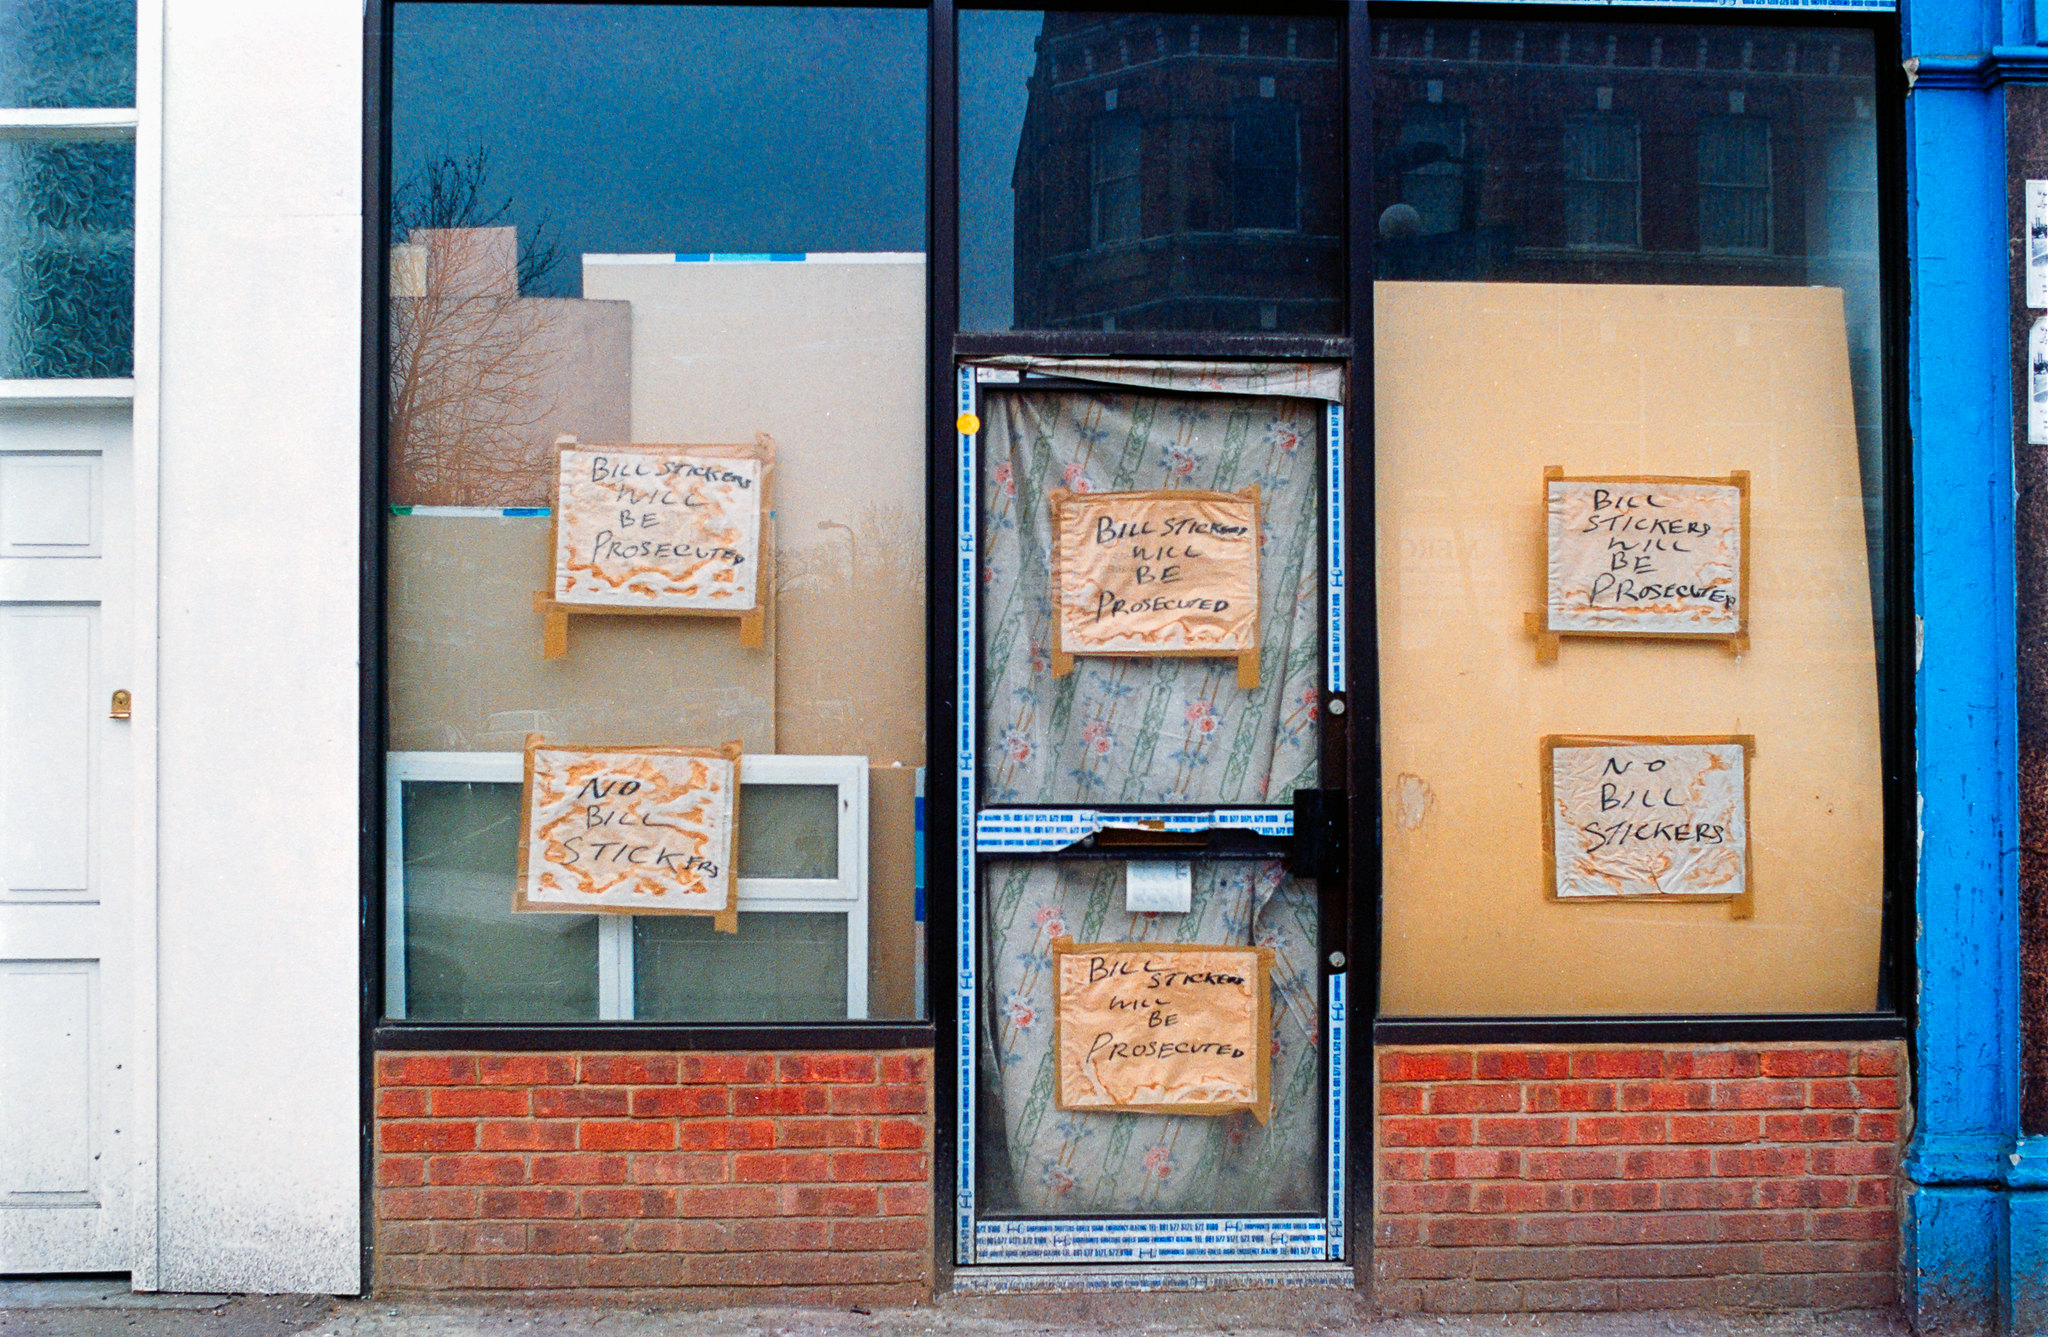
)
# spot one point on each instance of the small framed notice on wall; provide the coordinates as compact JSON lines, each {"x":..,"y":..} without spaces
{"x":1648,"y":818}
{"x":1646,"y":556}
{"x":1172,"y":572}
{"x":1163,"y":1028}
{"x":630,"y":830}
{"x":675,"y":530}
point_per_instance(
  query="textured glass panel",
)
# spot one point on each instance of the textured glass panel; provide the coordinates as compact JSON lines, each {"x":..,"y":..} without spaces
{"x":1133,"y":171}
{"x":467,"y":955}
{"x":778,"y":967}
{"x":789,"y":831}
{"x":67,"y":53}
{"x":67,"y":258}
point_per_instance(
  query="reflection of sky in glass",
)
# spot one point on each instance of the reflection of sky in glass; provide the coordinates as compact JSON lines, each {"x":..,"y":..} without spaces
{"x":674,"y":129}
{"x":996,"y":58}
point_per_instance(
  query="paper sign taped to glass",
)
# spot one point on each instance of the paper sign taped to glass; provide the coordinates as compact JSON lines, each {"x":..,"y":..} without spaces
{"x":1171,"y":572}
{"x":630,"y":831}
{"x":1163,"y":1028}
{"x":1646,"y":556}
{"x":1649,"y":818}
{"x":650,"y":529}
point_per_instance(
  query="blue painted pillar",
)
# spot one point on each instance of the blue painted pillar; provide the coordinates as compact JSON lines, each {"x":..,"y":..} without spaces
{"x":1960,"y":1165}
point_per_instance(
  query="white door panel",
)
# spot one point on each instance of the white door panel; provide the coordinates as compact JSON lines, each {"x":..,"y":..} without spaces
{"x":66,"y":839}
{"x":46,"y":746}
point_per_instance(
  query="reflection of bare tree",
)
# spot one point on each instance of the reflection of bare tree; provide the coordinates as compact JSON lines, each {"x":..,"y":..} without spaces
{"x":470,"y":371}
{"x":453,"y":191}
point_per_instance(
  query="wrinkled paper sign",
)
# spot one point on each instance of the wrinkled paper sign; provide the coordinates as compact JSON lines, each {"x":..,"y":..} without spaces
{"x":629,"y":830}
{"x":658,"y":528}
{"x":1634,"y":817}
{"x":1646,"y":557}
{"x":1169,"y":572}
{"x":1170,"y":1028}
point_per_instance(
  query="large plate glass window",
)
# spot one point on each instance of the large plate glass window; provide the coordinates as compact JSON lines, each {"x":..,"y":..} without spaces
{"x":675,"y":226}
{"x":1631,"y":475}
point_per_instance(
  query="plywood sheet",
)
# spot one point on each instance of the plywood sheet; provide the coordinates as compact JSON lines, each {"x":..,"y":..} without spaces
{"x":466,"y":674}
{"x":1480,"y":388}
{"x":630,"y":830}
{"x":1176,"y":1029}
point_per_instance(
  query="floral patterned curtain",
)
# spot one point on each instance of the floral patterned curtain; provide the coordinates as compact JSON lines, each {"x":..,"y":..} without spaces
{"x":1146,"y":731}
{"x":1063,"y":1161}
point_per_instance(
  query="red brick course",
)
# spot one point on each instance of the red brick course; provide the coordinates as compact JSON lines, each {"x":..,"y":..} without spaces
{"x":1738,"y":1176}
{"x":746,"y":1177}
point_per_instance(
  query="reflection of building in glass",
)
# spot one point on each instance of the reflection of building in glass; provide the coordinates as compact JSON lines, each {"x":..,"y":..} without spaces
{"x":1581,"y":153}
{"x":1565,"y":153}
{"x":1181,"y":172}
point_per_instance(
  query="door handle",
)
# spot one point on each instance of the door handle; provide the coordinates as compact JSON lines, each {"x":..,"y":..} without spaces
{"x":1322,"y":819}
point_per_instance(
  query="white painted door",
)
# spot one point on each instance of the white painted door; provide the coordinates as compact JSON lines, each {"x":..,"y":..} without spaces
{"x":66,"y":836}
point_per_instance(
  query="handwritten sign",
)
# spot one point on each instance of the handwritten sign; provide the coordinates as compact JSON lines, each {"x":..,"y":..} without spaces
{"x":1648,"y":817}
{"x":1157,"y":573}
{"x":1647,"y":556}
{"x":630,"y":830}
{"x":668,"y":527}
{"x":1164,"y":1028}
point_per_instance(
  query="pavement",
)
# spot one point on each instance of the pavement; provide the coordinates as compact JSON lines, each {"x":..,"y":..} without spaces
{"x":89,"y":1308}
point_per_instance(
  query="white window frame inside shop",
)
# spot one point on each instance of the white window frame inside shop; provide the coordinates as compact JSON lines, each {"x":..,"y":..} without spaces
{"x":844,"y":894}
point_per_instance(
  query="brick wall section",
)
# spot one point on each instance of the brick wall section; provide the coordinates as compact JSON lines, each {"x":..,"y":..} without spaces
{"x":1633,"y":1177}
{"x":793,"y":1177}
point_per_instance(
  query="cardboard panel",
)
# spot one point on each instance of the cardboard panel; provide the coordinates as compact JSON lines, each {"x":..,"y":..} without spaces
{"x":826,"y":357}
{"x":1480,"y":387}
{"x":466,"y":673}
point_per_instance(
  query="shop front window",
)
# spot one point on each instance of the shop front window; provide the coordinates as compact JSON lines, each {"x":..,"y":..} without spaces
{"x":1632,"y":517}
{"x":655,"y":521}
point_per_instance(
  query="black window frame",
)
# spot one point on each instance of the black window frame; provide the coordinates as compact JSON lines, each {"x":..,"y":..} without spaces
{"x":945,"y":343}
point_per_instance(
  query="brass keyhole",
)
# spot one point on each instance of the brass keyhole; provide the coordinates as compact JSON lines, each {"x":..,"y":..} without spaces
{"x":122,"y":705}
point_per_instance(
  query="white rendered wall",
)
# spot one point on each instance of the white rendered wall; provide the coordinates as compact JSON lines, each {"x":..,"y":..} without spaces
{"x":258,"y":1116}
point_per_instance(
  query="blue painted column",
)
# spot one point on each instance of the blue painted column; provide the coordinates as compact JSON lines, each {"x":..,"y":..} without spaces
{"x":1966,"y":1062}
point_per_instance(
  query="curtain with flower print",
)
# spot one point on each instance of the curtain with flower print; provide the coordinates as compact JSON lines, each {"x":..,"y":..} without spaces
{"x":1145,"y":731}
{"x":1062,"y":1161}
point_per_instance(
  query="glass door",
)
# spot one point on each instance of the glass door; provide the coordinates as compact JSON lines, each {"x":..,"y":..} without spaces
{"x":1156,"y":812}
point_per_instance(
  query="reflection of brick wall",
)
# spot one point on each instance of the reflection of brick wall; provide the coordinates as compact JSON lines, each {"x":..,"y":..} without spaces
{"x":1637,"y":1177}
{"x":744,"y":1176}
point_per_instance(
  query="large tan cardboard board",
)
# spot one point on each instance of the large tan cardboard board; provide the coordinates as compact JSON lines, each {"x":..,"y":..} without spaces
{"x":827,"y":357}
{"x":1479,"y":388}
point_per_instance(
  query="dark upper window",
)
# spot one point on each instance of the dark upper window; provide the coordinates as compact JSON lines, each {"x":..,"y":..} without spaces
{"x":1265,"y":164}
